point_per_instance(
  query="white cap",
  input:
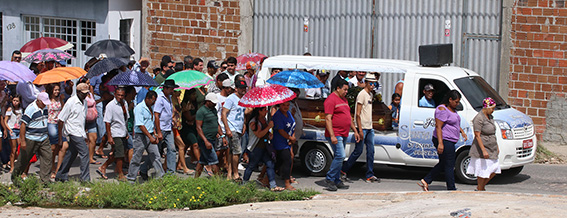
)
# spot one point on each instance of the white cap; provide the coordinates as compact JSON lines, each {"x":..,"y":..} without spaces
{"x":228,"y":83}
{"x":212,"y":97}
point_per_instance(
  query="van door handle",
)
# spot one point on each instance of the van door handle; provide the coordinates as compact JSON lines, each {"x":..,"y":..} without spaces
{"x":418,"y":122}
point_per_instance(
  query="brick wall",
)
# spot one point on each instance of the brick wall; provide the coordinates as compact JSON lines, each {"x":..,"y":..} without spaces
{"x":538,"y":59}
{"x":206,"y":29}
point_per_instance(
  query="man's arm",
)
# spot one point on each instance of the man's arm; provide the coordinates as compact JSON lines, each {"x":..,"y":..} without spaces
{"x":358,"y":118}
{"x":199,"y":127}
{"x":157,"y":127}
{"x":23,"y":136}
{"x":224,"y":119}
{"x":109,"y":134}
{"x":329,"y":126}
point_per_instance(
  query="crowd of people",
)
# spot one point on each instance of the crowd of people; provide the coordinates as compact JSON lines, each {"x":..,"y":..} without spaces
{"x":55,"y":123}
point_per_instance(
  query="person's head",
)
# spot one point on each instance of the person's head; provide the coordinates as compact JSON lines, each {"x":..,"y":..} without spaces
{"x":284,"y":107}
{"x":306,"y":54}
{"x":488,"y":105}
{"x":221,"y":77}
{"x":251,"y":68}
{"x":50,"y":65}
{"x":35,"y":68}
{"x":258,"y":113}
{"x":90,"y":64}
{"x":452,"y":99}
{"x":343,"y":73}
{"x":227,"y":87}
{"x":120,"y":94}
{"x":150,"y":99}
{"x":178,"y":67}
{"x":17,"y":56}
{"x":144,"y":64}
{"x":130,"y":64}
{"x":69,"y":87}
{"x":231,"y":65}
{"x":240,"y":88}
{"x":211,"y":100}
{"x":165,"y":66}
{"x":212,"y":67}
{"x":428,"y":91}
{"x":2,"y":85}
{"x":156,"y":70}
{"x":61,"y":63}
{"x":351,"y":74}
{"x":370,"y":81}
{"x":188,"y":62}
{"x":396,"y":98}
{"x":223,"y":66}
{"x":53,"y":90}
{"x":342,"y":88}
{"x":168,"y":86}
{"x":360,"y":75}
{"x":276,"y":70}
{"x":130,"y":93}
{"x":323,"y":75}
{"x":86,"y":80}
{"x":82,"y":91}
{"x":198,"y":64}
{"x":43,"y":100}
{"x":16,"y":100}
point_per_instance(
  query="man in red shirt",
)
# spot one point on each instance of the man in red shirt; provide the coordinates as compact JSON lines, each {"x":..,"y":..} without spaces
{"x":338,"y":122}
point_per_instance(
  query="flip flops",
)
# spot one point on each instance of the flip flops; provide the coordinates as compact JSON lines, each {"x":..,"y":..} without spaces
{"x":103,"y":175}
{"x":277,"y":189}
{"x":424,"y":186}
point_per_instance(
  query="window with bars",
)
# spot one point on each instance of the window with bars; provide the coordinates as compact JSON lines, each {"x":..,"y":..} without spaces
{"x":1,"y":44}
{"x":125,"y":26}
{"x":80,"y":33}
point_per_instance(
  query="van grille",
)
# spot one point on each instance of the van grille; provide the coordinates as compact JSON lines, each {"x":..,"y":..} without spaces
{"x":523,"y":132}
{"x":524,"y":152}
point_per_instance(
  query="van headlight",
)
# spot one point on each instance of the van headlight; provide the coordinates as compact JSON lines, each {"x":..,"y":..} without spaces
{"x":505,"y":129}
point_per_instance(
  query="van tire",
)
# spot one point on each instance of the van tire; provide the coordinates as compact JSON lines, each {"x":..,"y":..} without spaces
{"x":512,"y":171}
{"x":461,"y":164}
{"x":316,"y":160}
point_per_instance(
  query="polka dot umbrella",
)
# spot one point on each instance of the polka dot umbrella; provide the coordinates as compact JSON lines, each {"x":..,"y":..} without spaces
{"x":268,"y":95}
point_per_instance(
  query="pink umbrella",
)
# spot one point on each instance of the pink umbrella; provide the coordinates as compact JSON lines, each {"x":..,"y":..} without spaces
{"x":268,"y":95}
{"x":47,"y":55}
{"x":254,"y":57}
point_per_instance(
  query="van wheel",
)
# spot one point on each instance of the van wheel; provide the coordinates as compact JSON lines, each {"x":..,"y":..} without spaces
{"x":462,"y":162}
{"x":316,"y":160}
{"x":512,"y":171}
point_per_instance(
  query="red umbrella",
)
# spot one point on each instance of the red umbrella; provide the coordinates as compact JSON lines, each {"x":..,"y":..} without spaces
{"x":268,"y":95}
{"x":44,"y":43}
{"x":254,"y":57}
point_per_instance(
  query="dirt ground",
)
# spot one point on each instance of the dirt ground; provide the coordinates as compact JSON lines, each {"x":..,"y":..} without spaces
{"x":408,"y":204}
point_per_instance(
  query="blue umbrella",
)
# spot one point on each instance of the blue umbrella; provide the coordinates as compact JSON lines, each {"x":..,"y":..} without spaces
{"x":132,"y":78}
{"x":296,"y":79}
{"x":105,"y":66}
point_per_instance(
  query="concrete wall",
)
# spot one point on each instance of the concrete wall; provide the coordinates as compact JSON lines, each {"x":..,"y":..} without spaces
{"x":538,"y":64}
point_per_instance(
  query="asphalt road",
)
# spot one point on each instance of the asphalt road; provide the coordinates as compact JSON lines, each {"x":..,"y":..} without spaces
{"x":534,"y":179}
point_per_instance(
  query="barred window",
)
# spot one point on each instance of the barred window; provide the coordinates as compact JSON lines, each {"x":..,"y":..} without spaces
{"x":1,"y":45}
{"x":125,"y":26}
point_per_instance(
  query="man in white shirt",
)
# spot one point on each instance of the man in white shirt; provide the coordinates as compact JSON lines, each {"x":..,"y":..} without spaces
{"x":72,"y":124}
{"x":115,"y":118}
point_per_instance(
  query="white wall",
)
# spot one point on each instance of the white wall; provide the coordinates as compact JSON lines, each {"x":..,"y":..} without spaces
{"x":126,"y":9}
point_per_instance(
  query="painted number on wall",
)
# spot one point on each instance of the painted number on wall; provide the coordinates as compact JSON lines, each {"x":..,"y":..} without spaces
{"x":11,"y":26}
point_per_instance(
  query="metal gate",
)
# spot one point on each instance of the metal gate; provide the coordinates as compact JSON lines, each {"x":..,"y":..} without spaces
{"x":391,"y":29}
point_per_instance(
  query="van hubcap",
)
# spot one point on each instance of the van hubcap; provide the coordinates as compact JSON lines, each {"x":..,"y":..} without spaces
{"x":464,"y":165}
{"x":315,"y":160}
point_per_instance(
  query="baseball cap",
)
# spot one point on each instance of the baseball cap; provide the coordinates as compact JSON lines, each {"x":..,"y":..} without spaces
{"x":240,"y":84}
{"x":212,"y":64}
{"x":228,"y":83}
{"x":212,"y":97}
{"x":83,"y":87}
{"x":44,"y":97}
{"x":63,"y":62}
{"x":428,"y":87}
{"x":322,"y":72}
{"x":166,"y":59}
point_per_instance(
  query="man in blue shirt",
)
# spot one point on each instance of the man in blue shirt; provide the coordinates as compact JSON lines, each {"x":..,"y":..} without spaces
{"x":163,"y":111}
{"x":144,"y":138}
{"x":33,"y":138}
{"x":427,"y":98}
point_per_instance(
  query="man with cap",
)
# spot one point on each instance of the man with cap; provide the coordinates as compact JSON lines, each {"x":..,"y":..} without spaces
{"x":233,"y":121}
{"x":317,"y":93}
{"x":212,"y":68}
{"x":363,"y":121}
{"x":221,"y":146}
{"x":163,"y":111}
{"x":33,"y":138}
{"x":427,"y":99}
{"x":72,"y":124}
{"x":208,"y":130}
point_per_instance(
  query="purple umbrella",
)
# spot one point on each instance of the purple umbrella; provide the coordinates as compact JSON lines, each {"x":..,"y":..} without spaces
{"x":47,"y":55}
{"x":15,"y":72}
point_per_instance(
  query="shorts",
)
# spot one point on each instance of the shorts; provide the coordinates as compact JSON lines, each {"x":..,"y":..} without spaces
{"x":235,"y":142}
{"x":90,"y":127}
{"x":53,"y":133}
{"x":119,"y":143}
{"x":219,"y":145}
{"x":15,"y":134}
{"x":189,"y":135}
{"x":208,"y":156}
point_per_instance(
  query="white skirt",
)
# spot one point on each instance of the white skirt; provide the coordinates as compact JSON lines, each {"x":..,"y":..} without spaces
{"x":482,"y":168}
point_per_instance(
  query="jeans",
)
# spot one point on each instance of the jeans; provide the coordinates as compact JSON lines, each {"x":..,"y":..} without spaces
{"x":101,"y":128}
{"x":141,"y":143}
{"x":171,"y":157}
{"x":368,"y":139}
{"x":334,"y":173}
{"x":77,"y":145}
{"x":446,"y":163}
{"x":261,"y":155}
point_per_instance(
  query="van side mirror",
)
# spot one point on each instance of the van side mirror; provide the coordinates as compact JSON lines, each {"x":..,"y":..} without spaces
{"x":460,"y":107}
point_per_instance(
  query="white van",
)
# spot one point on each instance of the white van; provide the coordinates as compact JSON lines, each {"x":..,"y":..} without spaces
{"x":410,"y":144}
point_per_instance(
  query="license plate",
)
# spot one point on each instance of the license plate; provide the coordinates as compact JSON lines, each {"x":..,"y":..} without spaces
{"x":529,"y":143}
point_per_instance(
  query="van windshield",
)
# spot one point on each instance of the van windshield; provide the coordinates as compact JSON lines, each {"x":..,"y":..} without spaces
{"x":475,"y":88}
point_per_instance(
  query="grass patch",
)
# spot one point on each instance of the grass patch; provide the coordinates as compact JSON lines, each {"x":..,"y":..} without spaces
{"x":169,"y":192}
{"x":543,"y":155}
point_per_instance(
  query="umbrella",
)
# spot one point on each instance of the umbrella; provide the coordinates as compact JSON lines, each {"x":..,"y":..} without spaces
{"x":111,"y":48}
{"x":254,"y":57}
{"x":44,"y":43}
{"x":132,"y":78}
{"x":15,"y":72}
{"x":268,"y":95}
{"x":296,"y":79}
{"x":105,"y":66}
{"x":47,"y":55}
{"x":59,"y":74}
{"x":189,"y":79}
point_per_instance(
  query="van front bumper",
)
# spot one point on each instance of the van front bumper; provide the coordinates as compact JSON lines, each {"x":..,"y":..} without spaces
{"x":515,"y":153}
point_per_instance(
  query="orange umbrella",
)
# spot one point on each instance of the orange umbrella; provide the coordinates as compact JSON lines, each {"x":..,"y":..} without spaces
{"x":59,"y":74}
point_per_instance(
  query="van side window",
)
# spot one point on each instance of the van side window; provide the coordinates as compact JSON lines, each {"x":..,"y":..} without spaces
{"x":431,"y":92}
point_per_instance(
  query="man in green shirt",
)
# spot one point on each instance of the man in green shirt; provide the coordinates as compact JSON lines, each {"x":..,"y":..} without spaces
{"x":208,"y":131}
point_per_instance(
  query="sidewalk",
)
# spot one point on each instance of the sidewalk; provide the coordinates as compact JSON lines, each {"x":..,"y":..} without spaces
{"x":406,"y":204}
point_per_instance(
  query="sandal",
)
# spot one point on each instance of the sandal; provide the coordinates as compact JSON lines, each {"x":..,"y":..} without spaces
{"x":277,"y":189}
{"x":291,"y":188}
{"x":424,"y":186}
{"x":103,"y":175}
{"x":96,"y":162}
{"x":52,"y":176}
{"x":293,"y":180}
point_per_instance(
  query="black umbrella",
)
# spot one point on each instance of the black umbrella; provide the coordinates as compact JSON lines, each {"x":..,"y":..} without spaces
{"x":105,"y":65}
{"x":110,"y":47}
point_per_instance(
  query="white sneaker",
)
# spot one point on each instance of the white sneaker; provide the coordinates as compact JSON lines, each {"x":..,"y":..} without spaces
{"x":241,"y":167}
